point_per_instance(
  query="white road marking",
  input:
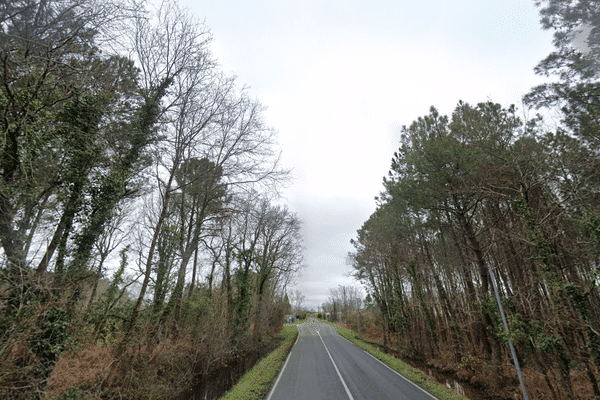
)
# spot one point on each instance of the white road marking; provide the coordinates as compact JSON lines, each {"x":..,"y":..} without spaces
{"x":282,"y":369}
{"x":393,"y":370}
{"x":336,"y":369}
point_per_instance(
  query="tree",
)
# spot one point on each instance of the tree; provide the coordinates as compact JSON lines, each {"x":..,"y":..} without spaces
{"x":575,"y":24}
{"x":279,"y":254}
{"x":131,"y":138}
{"x":576,"y":64}
{"x":477,"y":190}
{"x":346,"y":299}
{"x":296,"y":300}
{"x":172,"y":52}
{"x":200,"y":197}
{"x":50,"y":61}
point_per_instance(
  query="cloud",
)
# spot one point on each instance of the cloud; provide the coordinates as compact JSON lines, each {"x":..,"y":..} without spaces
{"x":328,"y":225}
{"x":340,"y":78}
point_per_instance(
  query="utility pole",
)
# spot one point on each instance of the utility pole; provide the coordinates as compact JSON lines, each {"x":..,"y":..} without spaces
{"x":510,"y":343}
{"x":358,"y":314}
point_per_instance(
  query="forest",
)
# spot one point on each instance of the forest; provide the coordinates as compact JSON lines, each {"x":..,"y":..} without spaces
{"x":143,"y":239}
{"x":494,"y":196}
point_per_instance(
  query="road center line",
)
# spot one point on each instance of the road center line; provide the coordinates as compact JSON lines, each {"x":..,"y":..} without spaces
{"x":336,"y":368}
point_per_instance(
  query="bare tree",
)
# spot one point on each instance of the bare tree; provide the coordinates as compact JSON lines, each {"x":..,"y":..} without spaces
{"x":346,"y":300}
{"x":296,"y":300}
{"x":171,"y":49}
{"x":206,"y":119}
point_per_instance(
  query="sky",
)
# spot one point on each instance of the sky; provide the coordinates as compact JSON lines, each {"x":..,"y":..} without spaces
{"x":340,"y":79}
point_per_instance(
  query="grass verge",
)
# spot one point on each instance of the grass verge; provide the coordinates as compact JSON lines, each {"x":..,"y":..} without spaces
{"x":256,"y":383}
{"x":413,"y":374}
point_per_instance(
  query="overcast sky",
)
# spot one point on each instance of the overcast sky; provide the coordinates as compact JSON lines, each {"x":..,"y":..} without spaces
{"x":340,"y":78}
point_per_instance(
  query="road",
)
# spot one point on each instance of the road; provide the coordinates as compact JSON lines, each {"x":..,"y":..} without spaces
{"x":324,"y":365}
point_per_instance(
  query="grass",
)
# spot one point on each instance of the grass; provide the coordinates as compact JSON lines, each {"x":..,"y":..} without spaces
{"x":256,"y":383}
{"x":413,"y":374}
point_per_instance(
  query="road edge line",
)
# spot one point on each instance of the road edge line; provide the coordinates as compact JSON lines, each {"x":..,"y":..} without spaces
{"x":336,"y":368}
{"x":282,"y":369}
{"x":392,"y":369}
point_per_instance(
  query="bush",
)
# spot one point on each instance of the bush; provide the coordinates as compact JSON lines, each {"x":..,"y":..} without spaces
{"x":53,"y":340}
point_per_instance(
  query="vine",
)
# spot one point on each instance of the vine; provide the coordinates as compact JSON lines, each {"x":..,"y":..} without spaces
{"x":579,"y":299}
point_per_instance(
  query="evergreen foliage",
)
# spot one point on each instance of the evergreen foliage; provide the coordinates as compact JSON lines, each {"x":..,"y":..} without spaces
{"x":483,"y":188}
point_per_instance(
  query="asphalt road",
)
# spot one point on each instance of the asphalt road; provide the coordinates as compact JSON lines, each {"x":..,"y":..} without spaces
{"x":324,"y":365}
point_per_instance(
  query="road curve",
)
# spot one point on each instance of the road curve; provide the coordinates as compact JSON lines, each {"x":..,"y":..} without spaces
{"x":324,"y":365}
